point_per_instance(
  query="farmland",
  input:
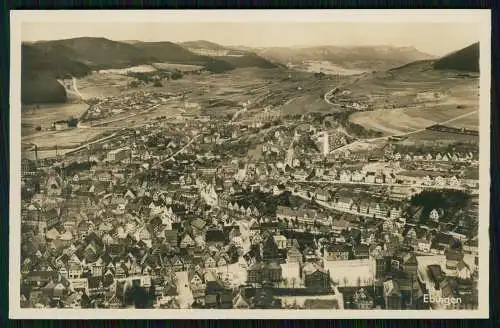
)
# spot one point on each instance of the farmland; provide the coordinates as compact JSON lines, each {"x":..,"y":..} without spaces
{"x":100,"y":85}
{"x":414,"y":97}
{"x":401,"y":120}
{"x":180,"y":67}
{"x":45,"y":115}
{"x":390,"y":122}
{"x":63,"y":139}
{"x":124,"y":71}
{"x":470,"y":122}
{"x":435,"y":138}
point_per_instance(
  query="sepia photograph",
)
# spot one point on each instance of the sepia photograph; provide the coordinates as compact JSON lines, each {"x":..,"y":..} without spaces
{"x":249,"y":164}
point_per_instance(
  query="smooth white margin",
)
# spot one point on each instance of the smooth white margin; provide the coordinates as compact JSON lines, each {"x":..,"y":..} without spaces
{"x":481,"y":17}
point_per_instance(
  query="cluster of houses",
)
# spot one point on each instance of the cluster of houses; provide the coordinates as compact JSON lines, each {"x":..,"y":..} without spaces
{"x":124,"y":234}
{"x":116,"y":105}
{"x":464,"y":157}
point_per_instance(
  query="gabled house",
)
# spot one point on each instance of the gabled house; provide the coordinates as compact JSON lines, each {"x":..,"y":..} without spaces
{"x":270,"y":251}
{"x":315,"y":277}
{"x":177,"y":263}
{"x":339,"y":225}
{"x":240,"y":301}
{"x":392,"y":295}
{"x":199,"y":226}
{"x":361,"y":251}
{"x":423,"y":245}
{"x":260,"y":273}
{"x":187,"y":241}
{"x":343,"y":202}
{"x":196,"y":280}
{"x":222,"y":260}
{"x":336,"y":252}
{"x":210,"y":262}
{"x":362,"y":300}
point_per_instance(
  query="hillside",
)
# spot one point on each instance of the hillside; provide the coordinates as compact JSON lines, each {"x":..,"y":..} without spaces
{"x":98,"y":53}
{"x":466,"y":59}
{"x":45,"y":61}
{"x":41,"y":88}
{"x":366,"y":57}
{"x":412,"y":97}
{"x":249,"y":60}
{"x":202,"y":44}
{"x":171,"y":52}
{"x":40,"y":69}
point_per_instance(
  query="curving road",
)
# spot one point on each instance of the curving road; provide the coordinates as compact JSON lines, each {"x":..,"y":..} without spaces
{"x":178,"y":152}
{"x":75,"y":89}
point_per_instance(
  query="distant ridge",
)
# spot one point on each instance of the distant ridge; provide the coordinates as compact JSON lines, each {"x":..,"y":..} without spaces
{"x":349,"y":57}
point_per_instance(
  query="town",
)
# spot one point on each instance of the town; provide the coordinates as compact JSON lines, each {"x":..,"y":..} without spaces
{"x":257,"y":210}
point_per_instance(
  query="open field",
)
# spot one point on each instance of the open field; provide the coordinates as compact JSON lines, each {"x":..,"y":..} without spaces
{"x":46,"y":115}
{"x":470,"y":122}
{"x":399,"y":121}
{"x":134,"y":69}
{"x":172,"y":112}
{"x":103,"y":85}
{"x":226,"y":92}
{"x":64,"y":138}
{"x":219,"y":93}
{"x":390,"y":122}
{"x":435,"y":138}
{"x":440,"y":113}
{"x":180,"y":67}
{"x":407,"y":100}
{"x":327,"y":68}
{"x":350,"y":273}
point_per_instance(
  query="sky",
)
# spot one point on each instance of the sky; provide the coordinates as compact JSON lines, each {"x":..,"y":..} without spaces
{"x":433,"y":38}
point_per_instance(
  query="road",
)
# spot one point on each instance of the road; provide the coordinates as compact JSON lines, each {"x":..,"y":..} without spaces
{"x":185,"y":297}
{"x":327,"y":95}
{"x":179,"y":151}
{"x":111,"y":136}
{"x":75,"y":89}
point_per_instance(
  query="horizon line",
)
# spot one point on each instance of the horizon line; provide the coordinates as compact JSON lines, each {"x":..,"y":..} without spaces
{"x":255,"y":47}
